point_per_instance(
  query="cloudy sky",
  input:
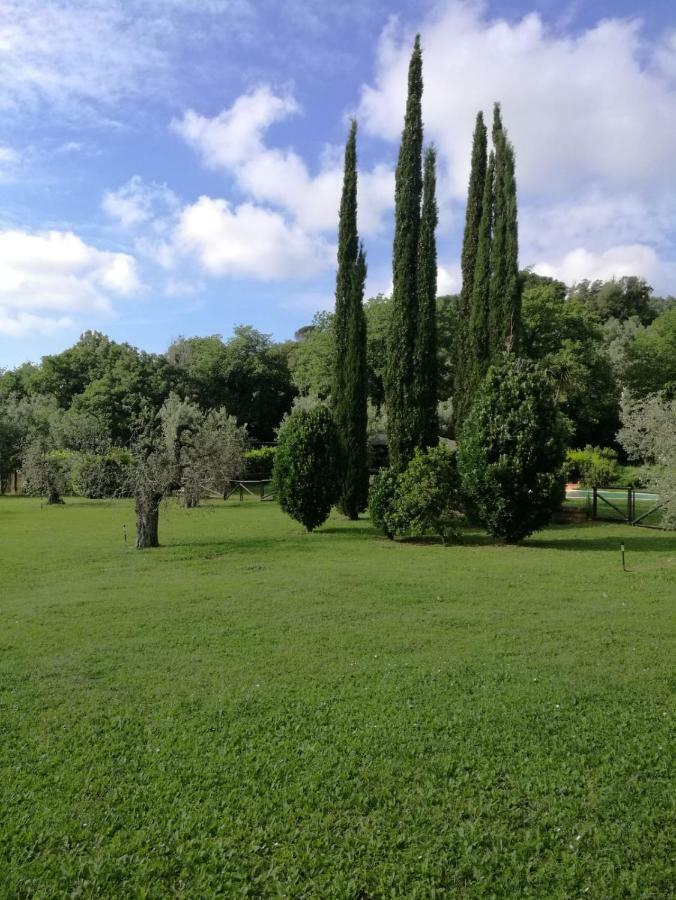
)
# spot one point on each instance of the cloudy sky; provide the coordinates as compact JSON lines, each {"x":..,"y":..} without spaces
{"x":173,"y":166}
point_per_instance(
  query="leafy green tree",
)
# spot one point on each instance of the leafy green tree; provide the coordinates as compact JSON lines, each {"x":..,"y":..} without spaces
{"x":350,"y":387}
{"x":307,"y":473}
{"x":377,"y":311}
{"x":650,"y":358}
{"x":152,"y":474}
{"x":46,"y":470}
{"x":400,"y":393}
{"x":512,"y":449}
{"x":312,"y":357}
{"x":426,"y":365}
{"x":426,"y":497}
{"x":619,"y":298}
{"x":566,"y":340}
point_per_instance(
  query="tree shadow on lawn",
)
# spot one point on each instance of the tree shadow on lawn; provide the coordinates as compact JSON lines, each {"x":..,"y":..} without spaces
{"x":640,"y":540}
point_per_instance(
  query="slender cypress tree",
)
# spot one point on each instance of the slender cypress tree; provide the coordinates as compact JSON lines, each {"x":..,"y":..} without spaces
{"x":350,"y":376}
{"x":505,"y":305}
{"x":512,"y":290}
{"x":425,"y":357}
{"x":475,"y":193}
{"x":399,"y":382}
{"x":479,"y":318}
{"x":498,"y":248}
{"x":470,"y":245}
{"x":477,"y":351}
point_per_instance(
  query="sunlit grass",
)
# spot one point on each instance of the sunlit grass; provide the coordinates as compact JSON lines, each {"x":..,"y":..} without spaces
{"x":254,"y":711}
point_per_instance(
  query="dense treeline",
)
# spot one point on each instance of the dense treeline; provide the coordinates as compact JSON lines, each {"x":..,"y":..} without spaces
{"x":591,"y":341}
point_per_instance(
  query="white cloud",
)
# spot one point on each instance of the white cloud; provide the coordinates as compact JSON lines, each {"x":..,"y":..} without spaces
{"x":20,"y":324}
{"x":577,"y":107}
{"x":137,"y":202}
{"x":68,"y":54}
{"x":248,"y":241}
{"x":449,"y":279}
{"x":234,"y":141}
{"x":614,"y":262}
{"x":57,"y":272}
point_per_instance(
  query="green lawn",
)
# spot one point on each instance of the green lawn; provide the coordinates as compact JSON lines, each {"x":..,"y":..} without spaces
{"x":251,"y":711}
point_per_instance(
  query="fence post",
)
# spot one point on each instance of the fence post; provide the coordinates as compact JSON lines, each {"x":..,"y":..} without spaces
{"x":630,"y":517}
{"x":594,"y":503}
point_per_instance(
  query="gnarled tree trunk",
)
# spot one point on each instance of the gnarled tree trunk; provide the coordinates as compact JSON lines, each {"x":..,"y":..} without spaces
{"x":147,"y":521}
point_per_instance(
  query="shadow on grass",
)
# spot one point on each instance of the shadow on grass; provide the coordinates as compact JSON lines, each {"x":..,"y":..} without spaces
{"x":640,"y":540}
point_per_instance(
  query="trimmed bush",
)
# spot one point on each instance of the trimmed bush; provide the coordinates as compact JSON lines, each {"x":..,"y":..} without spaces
{"x":381,"y":497}
{"x":259,"y":462}
{"x":427,"y":496}
{"x":593,"y":466}
{"x":307,"y":473}
{"x":512,"y":450}
{"x":97,"y":476}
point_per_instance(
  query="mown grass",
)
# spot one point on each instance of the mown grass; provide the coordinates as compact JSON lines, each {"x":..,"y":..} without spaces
{"x":251,"y":711}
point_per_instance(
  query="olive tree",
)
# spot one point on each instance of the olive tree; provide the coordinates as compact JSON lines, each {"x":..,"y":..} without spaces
{"x":648,"y":435}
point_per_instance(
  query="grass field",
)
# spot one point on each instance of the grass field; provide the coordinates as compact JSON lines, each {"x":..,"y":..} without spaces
{"x":251,"y":711}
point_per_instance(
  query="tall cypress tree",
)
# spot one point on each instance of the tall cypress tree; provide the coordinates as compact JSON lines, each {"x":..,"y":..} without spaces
{"x":399,"y":382}
{"x":498,"y":243}
{"x":470,"y":246}
{"x":479,"y":318}
{"x":425,"y":357}
{"x":477,"y":351}
{"x":512,"y":289}
{"x":505,"y":304}
{"x":350,"y":376}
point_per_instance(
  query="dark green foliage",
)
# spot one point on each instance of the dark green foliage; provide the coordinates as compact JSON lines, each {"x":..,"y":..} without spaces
{"x":565,"y":338}
{"x":259,"y":462}
{"x":381,"y":497}
{"x":350,"y":374}
{"x":512,"y":450}
{"x":312,"y":357}
{"x":96,"y":475}
{"x":400,"y":391}
{"x":651,"y":358}
{"x":504,"y":311}
{"x":619,"y":298}
{"x":426,"y":371}
{"x":248,"y":375}
{"x":426,"y":498}
{"x":593,"y":466}
{"x":475,"y":359}
{"x":473,"y":213}
{"x":308,"y":468}
{"x":470,"y":249}
{"x":46,"y":471}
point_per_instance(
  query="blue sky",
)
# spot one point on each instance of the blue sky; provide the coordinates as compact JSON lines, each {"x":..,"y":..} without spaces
{"x":173,"y":166}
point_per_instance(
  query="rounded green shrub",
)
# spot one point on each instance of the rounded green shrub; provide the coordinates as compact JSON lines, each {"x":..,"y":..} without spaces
{"x":307,"y":472}
{"x":427,"y":496}
{"x":381,"y":496}
{"x":512,"y":450}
